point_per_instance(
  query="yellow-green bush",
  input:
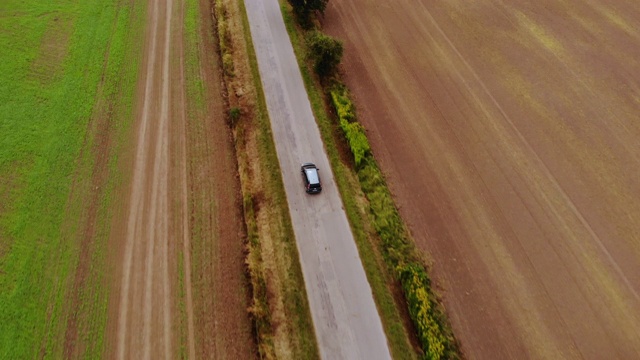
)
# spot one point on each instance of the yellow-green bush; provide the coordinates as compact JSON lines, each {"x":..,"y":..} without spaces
{"x":343,"y":104}
{"x":353,"y":131}
{"x":415,"y":284}
{"x":357,"y":140}
{"x":432,"y":328}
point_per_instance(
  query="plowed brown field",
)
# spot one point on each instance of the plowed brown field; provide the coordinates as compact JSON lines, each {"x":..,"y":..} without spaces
{"x":510,"y":134}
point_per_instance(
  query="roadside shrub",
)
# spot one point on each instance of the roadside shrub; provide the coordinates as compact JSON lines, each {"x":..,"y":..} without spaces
{"x":234,"y":115}
{"x":432,"y":329}
{"x":357,"y":140}
{"x":386,"y":220}
{"x":304,"y":8}
{"x":342,"y":103}
{"x":415,"y":284}
{"x":309,"y":5}
{"x":325,"y":52}
{"x":353,"y":131}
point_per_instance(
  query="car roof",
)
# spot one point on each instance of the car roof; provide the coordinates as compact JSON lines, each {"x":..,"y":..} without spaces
{"x":312,"y":175}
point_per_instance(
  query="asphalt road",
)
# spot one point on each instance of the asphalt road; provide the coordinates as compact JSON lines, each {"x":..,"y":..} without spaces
{"x":345,"y":318}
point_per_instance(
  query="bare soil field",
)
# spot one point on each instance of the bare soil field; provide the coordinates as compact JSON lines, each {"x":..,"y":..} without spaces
{"x":509,"y":135}
{"x":179,"y":285}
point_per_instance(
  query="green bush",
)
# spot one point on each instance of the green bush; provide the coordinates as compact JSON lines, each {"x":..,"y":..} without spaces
{"x":304,"y":8}
{"x":234,"y":115}
{"x":325,"y":52}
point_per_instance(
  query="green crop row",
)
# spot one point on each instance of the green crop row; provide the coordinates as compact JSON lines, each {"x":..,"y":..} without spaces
{"x":399,"y":252}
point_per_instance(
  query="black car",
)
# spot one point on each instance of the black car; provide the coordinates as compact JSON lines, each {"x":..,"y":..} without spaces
{"x":311,"y":178}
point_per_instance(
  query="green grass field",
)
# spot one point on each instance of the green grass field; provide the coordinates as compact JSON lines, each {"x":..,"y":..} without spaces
{"x":59,"y":59}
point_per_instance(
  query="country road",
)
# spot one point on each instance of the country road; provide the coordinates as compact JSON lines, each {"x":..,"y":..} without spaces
{"x":345,"y":317}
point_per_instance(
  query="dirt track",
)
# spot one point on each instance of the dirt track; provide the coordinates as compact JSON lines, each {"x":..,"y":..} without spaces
{"x":509,"y":133}
{"x":145,"y":309}
{"x":178,"y":271}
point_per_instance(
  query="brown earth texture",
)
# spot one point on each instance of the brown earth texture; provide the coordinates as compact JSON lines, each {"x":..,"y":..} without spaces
{"x":509,"y":133}
{"x":178,"y":248}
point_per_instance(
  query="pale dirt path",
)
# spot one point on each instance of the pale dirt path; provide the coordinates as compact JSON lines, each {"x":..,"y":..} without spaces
{"x":146,"y":307}
{"x":146,"y":244}
{"x":509,"y":134}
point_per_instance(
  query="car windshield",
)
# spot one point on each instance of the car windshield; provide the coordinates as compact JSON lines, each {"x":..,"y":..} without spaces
{"x":312,"y":175}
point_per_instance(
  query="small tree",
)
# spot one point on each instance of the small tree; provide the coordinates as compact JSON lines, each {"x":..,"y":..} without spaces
{"x":304,"y":8}
{"x":325,"y":51}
